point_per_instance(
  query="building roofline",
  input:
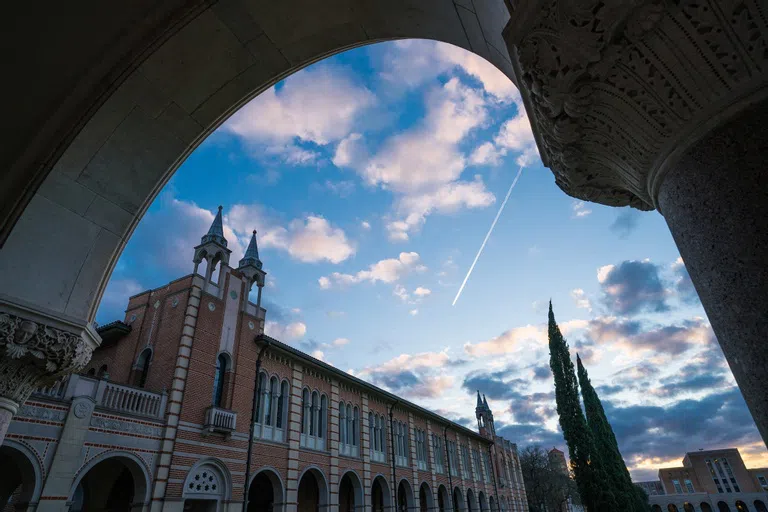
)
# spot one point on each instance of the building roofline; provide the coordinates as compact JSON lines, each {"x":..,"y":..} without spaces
{"x":359,"y":382}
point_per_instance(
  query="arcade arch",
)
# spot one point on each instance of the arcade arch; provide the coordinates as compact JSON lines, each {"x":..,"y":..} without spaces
{"x":266,"y":492}
{"x":117,"y":481}
{"x":22,"y":482}
{"x":313,"y":491}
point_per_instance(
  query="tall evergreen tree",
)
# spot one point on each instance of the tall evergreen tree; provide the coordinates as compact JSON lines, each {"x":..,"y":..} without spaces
{"x":605,"y":441}
{"x":591,"y":480}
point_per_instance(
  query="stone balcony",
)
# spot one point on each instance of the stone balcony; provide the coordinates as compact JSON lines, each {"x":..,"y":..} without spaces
{"x":220,"y":420}
{"x":108,"y":396}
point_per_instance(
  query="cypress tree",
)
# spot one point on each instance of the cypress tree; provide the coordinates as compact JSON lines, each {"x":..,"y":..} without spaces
{"x":590,"y":476}
{"x":608,"y":448}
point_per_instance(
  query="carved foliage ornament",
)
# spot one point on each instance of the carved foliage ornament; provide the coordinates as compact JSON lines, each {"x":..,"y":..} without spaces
{"x":33,"y":355}
{"x":614,"y":86}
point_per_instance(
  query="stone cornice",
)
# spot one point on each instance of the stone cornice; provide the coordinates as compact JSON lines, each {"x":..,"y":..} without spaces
{"x":616,"y":91}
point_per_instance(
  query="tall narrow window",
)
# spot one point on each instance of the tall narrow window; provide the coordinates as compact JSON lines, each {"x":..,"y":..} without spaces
{"x":269,"y":396}
{"x":356,"y":427}
{"x":218,"y":380}
{"x":342,"y":423}
{"x":281,"y":404}
{"x":142,"y":367}
{"x":323,"y":416}
{"x":314,"y":414}
{"x":261,"y":386}
{"x":305,"y":405}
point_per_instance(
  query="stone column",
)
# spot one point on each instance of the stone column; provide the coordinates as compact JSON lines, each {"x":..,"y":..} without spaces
{"x":714,"y":200}
{"x":36,"y":349}
{"x":365,"y":447}
{"x":655,"y":105}
{"x":294,"y":439}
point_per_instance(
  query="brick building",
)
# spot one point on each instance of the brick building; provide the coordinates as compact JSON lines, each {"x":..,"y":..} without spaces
{"x":160,"y":420}
{"x":709,"y":481}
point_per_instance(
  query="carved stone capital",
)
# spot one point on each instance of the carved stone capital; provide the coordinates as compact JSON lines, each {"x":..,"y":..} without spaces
{"x":616,"y":90}
{"x":37,"y":348}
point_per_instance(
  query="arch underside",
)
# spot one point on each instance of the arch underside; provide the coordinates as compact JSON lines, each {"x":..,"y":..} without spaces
{"x":85,"y":169}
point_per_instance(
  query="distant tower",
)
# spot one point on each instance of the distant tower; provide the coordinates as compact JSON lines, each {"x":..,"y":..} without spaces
{"x":250,"y":267}
{"x":212,"y":248}
{"x":484,"y":417}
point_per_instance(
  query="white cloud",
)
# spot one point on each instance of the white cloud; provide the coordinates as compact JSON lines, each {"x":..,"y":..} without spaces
{"x":518,"y":337}
{"x":350,"y":152}
{"x":515,"y":136}
{"x":309,"y":240}
{"x":422,"y":292}
{"x":340,"y":342}
{"x":580,"y":298}
{"x":285,"y":332}
{"x":386,"y":271}
{"x":602,"y":272}
{"x":414,"y":62}
{"x":318,"y":104}
{"x":365,"y":225}
{"x":580,"y":209}
{"x":343,"y":188}
{"x":448,"y":198}
{"x":115,"y":298}
{"x":414,"y":312}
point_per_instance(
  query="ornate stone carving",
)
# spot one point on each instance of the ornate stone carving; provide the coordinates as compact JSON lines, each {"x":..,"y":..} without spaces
{"x":42,"y":413}
{"x":33,"y":354}
{"x":126,"y":426}
{"x":613,"y":89}
{"x":82,"y":409}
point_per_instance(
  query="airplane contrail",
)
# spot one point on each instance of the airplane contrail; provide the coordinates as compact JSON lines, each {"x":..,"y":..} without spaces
{"x":488,"y":235}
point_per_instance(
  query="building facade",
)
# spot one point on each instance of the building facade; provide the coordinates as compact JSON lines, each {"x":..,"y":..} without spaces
{"x":160,"y":420}
{"x":710,"y":481}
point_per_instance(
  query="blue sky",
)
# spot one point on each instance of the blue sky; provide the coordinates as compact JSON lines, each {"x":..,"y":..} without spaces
{"x":372,"y":178}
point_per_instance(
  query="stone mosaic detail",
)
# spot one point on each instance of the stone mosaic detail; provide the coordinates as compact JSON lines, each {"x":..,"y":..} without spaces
{"x":612,"y":88}
{"x":41,"y":413}
{"x":128,"y":427}
{"x":35,"y":355}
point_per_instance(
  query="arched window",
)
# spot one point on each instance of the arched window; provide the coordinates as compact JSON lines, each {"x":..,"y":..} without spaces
{"x":218,"y":380}
{"x":306,"y":406}
{"x":342,"y":423}
{"x":356,"y":427}
{"x":262,"y":385}
{"x":92,"y":372}
{"x":269,"y":401}
{"x":314,"y":414}
{"x":102,"y":371}
{"x":142,"y":367}
{"x":281,"y":404}
{"x":323,"y":417}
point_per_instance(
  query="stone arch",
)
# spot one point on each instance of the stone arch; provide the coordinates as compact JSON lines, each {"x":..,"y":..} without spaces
{"x":760,"y":506}
{"x":687,"y":507}
{"x":672,"y":507}
{"x":656,"y":508}
{"x":132,"y":102}
{"x":723,"y":507}
{"x":142,"y":366}
{"x":405,"y":495}
{"x":266,"y":489}
{"x":426,"y":501}
{"x":117,"y":465}
{"x":492,"y":504}
{"x":208,"y":472}
{"x":351,"y":487}
{"x":471,"y":501}
{"x":705,"y":507}
{"x":457,"y":498}
{"x":321,"y":494}
{"x":741,"y":506}
{"x":482,"y":504}
{"x":24,"y":475}
{"x":381,"y":495}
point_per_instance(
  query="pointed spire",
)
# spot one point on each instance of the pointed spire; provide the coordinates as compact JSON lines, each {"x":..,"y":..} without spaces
{"x":251,"y":254}
{"x":485,"y":402}
{"x":479,"y":401}
{"x":216,"y":231}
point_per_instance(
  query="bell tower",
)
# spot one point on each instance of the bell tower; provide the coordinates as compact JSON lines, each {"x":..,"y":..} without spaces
{"x":212,"y":248}
{"x":250,"y":267}
{"x":484,"y":417}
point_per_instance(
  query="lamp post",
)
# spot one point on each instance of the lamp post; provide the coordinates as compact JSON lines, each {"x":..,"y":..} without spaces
{"x":254,"y":408}
{"x":392,"y":451}
{"x":448,"y":462}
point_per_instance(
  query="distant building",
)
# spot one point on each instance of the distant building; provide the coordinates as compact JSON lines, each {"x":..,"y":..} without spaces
{"x":709,"y":481}
{"x":557,"y":460}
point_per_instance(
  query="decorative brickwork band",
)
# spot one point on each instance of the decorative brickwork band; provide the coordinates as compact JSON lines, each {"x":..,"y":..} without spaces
{"x":616,"y":91}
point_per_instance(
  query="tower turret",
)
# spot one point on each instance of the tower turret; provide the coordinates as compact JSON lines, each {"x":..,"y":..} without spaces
{"x":212,"y":248}
{"x":250,"y":267}
{"x":484,"y":417}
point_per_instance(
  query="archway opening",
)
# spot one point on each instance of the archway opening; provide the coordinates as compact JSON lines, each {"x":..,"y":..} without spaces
{"x":723,"y":507}
{"x":760,"y":506}
{"x":425,"y":498}
{"x":656,"y":508}
{"x":442,"y":499}
{"x":672,"y":507}
{"x":265,"y":493}
{"x":313,"y":491}
{"x":380,"y":495}
{"x":705,"y":507}
{"x":741,"y":506}
{"x":21,"y":485}
{"x":471,"y":503}
{"x":458,"y":500}
{"x":350,"y":493}
{"x":116,"y":483}
{"x":688,"y":507}
{"x":481,"y":502}
{"x":404,"y":496}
